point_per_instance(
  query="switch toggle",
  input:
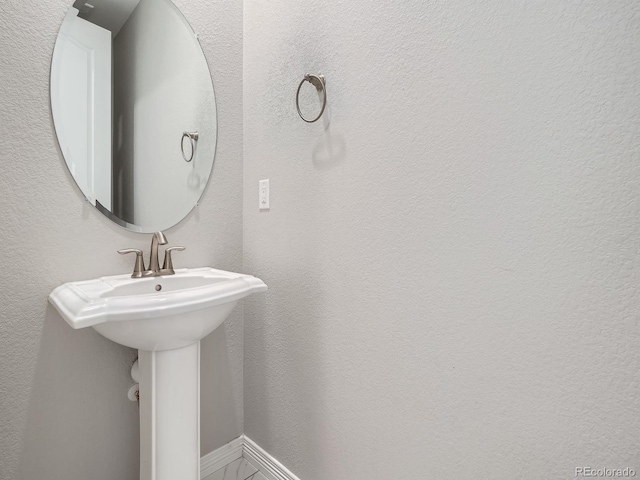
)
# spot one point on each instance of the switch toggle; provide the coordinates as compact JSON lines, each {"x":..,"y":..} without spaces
{"x":263,"y":194}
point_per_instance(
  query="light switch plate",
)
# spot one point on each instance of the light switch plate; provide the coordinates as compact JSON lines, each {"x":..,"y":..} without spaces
{"x":263,"y":194}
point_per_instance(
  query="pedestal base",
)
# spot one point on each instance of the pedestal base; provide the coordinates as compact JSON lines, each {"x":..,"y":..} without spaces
{"x":170,"y":414}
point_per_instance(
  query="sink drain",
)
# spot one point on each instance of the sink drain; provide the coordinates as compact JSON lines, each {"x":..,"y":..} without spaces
{"x":158,"y":287}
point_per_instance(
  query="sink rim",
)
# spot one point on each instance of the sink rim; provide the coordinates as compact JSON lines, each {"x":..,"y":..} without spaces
{"x":81,"y":309}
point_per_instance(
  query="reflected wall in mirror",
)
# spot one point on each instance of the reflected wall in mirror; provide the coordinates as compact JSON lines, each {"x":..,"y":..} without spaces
{"x":128,"y":81}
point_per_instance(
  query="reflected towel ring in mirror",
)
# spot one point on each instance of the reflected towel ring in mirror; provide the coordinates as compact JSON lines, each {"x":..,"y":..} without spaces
{"x":193,"y":137}
{"x":320,"y":83}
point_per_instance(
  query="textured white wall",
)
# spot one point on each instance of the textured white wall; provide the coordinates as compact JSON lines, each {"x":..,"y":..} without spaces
{"x":63,"y":407}
{"x":453,"y":263}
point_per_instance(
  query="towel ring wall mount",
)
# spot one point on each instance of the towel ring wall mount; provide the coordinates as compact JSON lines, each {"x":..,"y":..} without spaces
{"x":320,"y":83}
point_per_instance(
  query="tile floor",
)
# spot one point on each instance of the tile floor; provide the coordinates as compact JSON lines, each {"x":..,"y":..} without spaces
{"x":257,"y":476}
{"x":237,"y":470}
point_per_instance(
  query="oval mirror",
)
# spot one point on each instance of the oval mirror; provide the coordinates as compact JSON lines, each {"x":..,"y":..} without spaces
{"x":134,"y":110}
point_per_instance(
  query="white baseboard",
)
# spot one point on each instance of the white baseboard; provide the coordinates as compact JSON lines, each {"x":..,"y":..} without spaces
{"x":243,"y":446}
{"x":265,"y":463}
{"x":221,"y":457}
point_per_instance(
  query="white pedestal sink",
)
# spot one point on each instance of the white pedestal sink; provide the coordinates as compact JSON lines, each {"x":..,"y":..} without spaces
{"x":164,"y":318}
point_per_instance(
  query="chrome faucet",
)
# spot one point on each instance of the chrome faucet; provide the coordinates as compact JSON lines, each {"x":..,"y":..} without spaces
{"x":154,"y":267}
{"x":139,"y":271}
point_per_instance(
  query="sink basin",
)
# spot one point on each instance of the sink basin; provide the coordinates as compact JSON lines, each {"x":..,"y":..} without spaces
{"x":164,"y":318}
{"x":155,"y":313}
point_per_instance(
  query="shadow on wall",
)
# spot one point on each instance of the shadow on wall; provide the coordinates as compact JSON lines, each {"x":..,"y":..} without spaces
{"x":80,"y":424}
{"x":331,"y":149}
{"x":291,"y":371}
{"x":223,"y":418}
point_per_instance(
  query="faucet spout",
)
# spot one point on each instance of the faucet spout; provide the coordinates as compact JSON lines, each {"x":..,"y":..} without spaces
{"x":158,"y":239}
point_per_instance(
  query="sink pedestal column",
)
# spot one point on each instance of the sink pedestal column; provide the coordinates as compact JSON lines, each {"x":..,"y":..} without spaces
{"x":170,"y":414}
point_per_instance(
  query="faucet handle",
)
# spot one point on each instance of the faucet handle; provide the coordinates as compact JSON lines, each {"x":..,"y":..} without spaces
{"x":168,"y":262}
{"x":139,"y":265}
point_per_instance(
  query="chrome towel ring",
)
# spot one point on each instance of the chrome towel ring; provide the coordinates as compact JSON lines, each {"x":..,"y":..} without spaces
{"x":320,"y":83}
{"x":193,"y":137}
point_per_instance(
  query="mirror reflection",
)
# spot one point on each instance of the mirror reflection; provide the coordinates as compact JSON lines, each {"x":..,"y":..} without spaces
{"x":134,"y":110}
